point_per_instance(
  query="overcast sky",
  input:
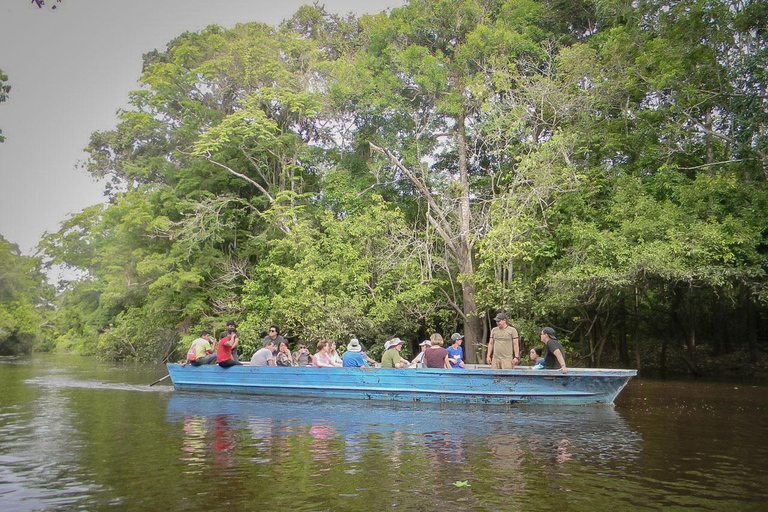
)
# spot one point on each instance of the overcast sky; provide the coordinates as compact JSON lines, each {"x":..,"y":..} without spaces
{"x":70,"y":70}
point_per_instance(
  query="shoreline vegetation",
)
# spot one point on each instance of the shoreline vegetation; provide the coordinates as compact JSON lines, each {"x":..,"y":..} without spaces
{"x":602,"y":170}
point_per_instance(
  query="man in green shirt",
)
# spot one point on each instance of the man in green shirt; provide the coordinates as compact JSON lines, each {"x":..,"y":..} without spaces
{"x":391,"y":357}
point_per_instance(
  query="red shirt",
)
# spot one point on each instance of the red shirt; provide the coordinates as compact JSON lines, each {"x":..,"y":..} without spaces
{"x":224,"y":352}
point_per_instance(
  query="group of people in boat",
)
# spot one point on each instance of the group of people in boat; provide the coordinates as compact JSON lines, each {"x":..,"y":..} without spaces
{"x":503,"y":351}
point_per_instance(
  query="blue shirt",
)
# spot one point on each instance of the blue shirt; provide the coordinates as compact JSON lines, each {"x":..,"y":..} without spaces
{"x":453,"y":352}
{"x":353,"y":359}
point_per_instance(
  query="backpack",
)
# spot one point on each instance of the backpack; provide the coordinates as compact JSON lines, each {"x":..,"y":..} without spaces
{"x":192,"y":353}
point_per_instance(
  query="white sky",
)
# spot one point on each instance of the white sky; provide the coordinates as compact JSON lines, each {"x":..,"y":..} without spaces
{"x":70,"y":70}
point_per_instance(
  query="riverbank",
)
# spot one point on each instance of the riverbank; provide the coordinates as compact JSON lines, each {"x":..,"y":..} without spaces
{"x":700,"y":362}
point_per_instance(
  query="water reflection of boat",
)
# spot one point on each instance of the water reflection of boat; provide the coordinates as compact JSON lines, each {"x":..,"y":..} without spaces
{"x":482,"y":386}
{"x":597,"y":432}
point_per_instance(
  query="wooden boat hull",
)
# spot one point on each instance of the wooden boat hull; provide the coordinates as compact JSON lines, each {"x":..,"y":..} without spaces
{"x":482,"y":386}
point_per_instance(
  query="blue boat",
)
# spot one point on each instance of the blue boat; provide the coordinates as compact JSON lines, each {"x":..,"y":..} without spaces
{"x":476,"y":386}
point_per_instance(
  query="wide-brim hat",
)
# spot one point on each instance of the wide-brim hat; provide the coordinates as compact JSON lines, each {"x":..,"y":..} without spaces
{"x":425,"y":343}
{"x":354,"y":345}
{"x":393,"y":343}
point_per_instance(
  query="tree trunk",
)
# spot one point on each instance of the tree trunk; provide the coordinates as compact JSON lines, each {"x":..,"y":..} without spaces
{"x":473,"y":328}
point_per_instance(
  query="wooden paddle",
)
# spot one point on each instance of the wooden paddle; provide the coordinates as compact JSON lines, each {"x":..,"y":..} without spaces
{"x":160,"y":380}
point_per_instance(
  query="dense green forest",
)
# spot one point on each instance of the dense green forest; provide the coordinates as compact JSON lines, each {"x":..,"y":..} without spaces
{"x":599,"y":166}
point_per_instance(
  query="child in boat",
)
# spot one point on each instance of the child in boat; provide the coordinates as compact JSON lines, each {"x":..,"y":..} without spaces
{"x":536,"y":359}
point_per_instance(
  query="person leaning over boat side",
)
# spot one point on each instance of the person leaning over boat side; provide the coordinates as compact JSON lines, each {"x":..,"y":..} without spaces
{"x":321,"y":359}
{"x":418,"y":361}
{"x":504,"y":345}
{"x":353,"y":357}
{"x":391,"y":357}
{"x":555,"y":353}
{"x":302,"y":357}
{"x":265,"y":356}
{"x":436,"y":356}
{"x":201,"y":352}
{"x":333,"y":354}
{"x":455,"y":352}
{"x":274,"y":335}
{"x":226,"y":346}
{"x":284,"y":356}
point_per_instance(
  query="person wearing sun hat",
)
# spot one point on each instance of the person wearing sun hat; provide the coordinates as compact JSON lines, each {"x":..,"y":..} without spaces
{"x":391,"y":357}
{"x":504,"y":345}
{"x":353,"y":357}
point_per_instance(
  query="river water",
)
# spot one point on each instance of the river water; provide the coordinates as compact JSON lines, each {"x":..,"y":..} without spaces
{"x":78,"y":434}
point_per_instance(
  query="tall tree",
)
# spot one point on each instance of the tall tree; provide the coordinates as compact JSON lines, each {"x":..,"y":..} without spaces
{"x":25,"y":299}
{"x":434,"y":66}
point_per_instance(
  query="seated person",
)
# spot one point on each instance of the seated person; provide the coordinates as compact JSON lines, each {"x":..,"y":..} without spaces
{"x":231,"y":325}
{"x":436,"y":356}
{"x":334,"y":355}
{"x":201,"y":351}
{"x":322,"y":359}
{"x":418,"y":361}
{"x":284,"y":356}
{"x":536,"y":360}
{"x":455,"y":352}
{"x":226,"y":346}
{"x":302,"y":357}
{"x":353,"y":357}
{"x":391,"y":357}
{"x":371,"y":362}
{"x":264,"y":356}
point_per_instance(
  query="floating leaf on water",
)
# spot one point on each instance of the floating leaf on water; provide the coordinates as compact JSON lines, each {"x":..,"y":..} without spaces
{"x":462,"y":483}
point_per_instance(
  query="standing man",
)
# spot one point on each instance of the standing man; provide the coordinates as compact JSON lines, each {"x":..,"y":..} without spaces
{"x":265,"y":356}
{"x":555,"y":354}
{"x":274,"y":336}
{"x":504,"y":345}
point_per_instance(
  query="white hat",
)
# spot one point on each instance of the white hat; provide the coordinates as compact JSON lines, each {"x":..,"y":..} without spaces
{"x":425,"y":343}
{"x":354,"y":345}
{"x":393,"y":343}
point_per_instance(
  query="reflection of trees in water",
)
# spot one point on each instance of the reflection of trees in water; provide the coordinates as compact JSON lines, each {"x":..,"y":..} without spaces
{"x":403,"y":456}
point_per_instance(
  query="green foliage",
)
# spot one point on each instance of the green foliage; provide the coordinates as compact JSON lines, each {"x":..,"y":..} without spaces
{"x":5,"y":88}
{"x":24,"y":301}
{"x":599,"y":168}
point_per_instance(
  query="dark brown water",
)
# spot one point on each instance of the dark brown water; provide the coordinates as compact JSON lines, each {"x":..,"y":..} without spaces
{"x":78,"y":434}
